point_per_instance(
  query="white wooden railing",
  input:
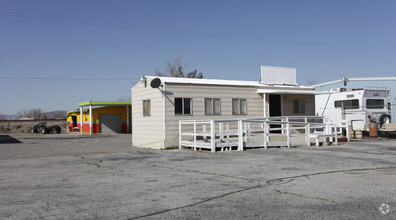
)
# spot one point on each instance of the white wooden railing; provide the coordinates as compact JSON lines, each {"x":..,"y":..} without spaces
{"x":256,"y":132}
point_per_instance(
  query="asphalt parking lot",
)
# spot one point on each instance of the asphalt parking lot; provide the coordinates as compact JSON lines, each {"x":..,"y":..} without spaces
{"x":69,"y":176}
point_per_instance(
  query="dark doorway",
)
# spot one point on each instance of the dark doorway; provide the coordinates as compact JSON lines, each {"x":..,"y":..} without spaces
{"x":275,"y":109}
{"x":275,"y":105}
{"x":74,"y":119}
{"x":130,"y":123}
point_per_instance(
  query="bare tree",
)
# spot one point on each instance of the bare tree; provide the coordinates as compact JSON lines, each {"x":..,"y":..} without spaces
{"x":31,"y":113}
{"x":172,"y":68}
{"x":3,"y":117}
{"x":175,"y":69}
{"x":194,"y":74}
{"x":311,"y":82}
{"x":21,"y":113}
{"x":60,"y":114}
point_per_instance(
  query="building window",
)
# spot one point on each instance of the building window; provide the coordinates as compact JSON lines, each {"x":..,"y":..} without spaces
{"x":183,"y":106}
{"x":375,"y":103}
{"x":239,"y":106}
{"x":299,"y":106}
{"x":147,"y":107}
{"x":212,"y":106}
{"x":347,"y":104}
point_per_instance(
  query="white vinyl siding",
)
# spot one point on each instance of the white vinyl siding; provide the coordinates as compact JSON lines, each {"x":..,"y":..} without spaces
{"x":147,"y":132}
{"x":150,"y":131}
{"x":198,"y":93}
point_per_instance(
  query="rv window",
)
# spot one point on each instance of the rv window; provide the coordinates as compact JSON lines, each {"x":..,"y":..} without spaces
{"x":299,"y":106}
{"x":239,"y":106}
{"x":212,"y":106}
{"x":146,"y":107}
{"x":375,"y":103}
{"x":183,"y":106}
{"x":347,"y":104}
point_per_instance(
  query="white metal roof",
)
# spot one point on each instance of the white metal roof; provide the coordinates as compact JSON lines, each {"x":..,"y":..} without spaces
{"x":287,"y":91}
{"x":206,"y":81}
{"x":223,"y":82}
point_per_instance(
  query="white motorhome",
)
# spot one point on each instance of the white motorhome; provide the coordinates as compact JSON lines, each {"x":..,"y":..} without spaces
{"x":358,"y":106}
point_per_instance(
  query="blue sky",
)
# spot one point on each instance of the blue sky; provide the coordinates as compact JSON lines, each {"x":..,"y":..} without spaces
{"x":324,"y":40}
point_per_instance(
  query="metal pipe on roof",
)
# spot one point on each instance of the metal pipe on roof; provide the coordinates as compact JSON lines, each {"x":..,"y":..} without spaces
{"x":344,"y":79}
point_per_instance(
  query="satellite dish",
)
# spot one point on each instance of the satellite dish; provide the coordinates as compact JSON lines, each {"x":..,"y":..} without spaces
{"x":155,"y":83}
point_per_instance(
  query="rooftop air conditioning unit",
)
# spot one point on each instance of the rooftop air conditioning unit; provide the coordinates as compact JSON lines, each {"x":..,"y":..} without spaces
{"x":338,"y":90}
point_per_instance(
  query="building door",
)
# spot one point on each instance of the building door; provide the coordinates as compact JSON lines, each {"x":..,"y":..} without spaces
{"x":74,"y":119}
{"x":275,"y":105}
{"x":275,"y":110}
{"x":110,"y":123}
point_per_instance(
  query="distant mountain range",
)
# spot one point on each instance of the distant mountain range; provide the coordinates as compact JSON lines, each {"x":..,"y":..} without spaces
{"x":9,"y":117}
{"x":59,"y":114}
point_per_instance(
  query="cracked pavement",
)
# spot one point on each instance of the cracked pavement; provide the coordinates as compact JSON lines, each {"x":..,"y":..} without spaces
{"x":102,"y":177}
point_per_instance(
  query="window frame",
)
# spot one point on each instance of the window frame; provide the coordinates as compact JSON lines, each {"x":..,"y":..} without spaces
{"x":239,"y":110}
{"x":183,"y":99}
{"x":146,"y":107}
{"x":301,"y":107}
{"x":212,"y":106}
{"x":342,"y":102}
{"x":375,"y":106}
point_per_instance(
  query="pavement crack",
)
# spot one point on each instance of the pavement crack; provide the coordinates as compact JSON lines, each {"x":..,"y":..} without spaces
{"x":198,"y":203}
{"x":302,"y":196}
{"x":270,"y":182}
{"x":202,"y":172}
{"x":84,"y":161}
{"x":291,"y":178}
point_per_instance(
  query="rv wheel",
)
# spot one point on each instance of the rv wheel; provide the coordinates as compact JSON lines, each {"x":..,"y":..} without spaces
{"x":384,"y":119}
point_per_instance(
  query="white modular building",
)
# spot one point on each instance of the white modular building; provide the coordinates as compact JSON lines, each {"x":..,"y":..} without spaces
{"x":159,"y":103}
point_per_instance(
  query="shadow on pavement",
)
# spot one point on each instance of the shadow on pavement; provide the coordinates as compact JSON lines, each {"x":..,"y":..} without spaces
{"x":7,"y":139}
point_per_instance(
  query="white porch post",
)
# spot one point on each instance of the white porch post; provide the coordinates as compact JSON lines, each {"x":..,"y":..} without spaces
{"x":81,"y":119}
{"x":288,"y":134}
{"x":240,"y":135}
{"x":265,"y":104}
{"x":213,"y":136}
{"x":266,"y":133}
{"x":195,"y":136}
{"x":180,"y":134}
{"x":90,"y":119}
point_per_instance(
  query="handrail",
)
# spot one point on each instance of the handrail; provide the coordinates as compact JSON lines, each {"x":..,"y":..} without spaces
{"x":212,"y":134}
